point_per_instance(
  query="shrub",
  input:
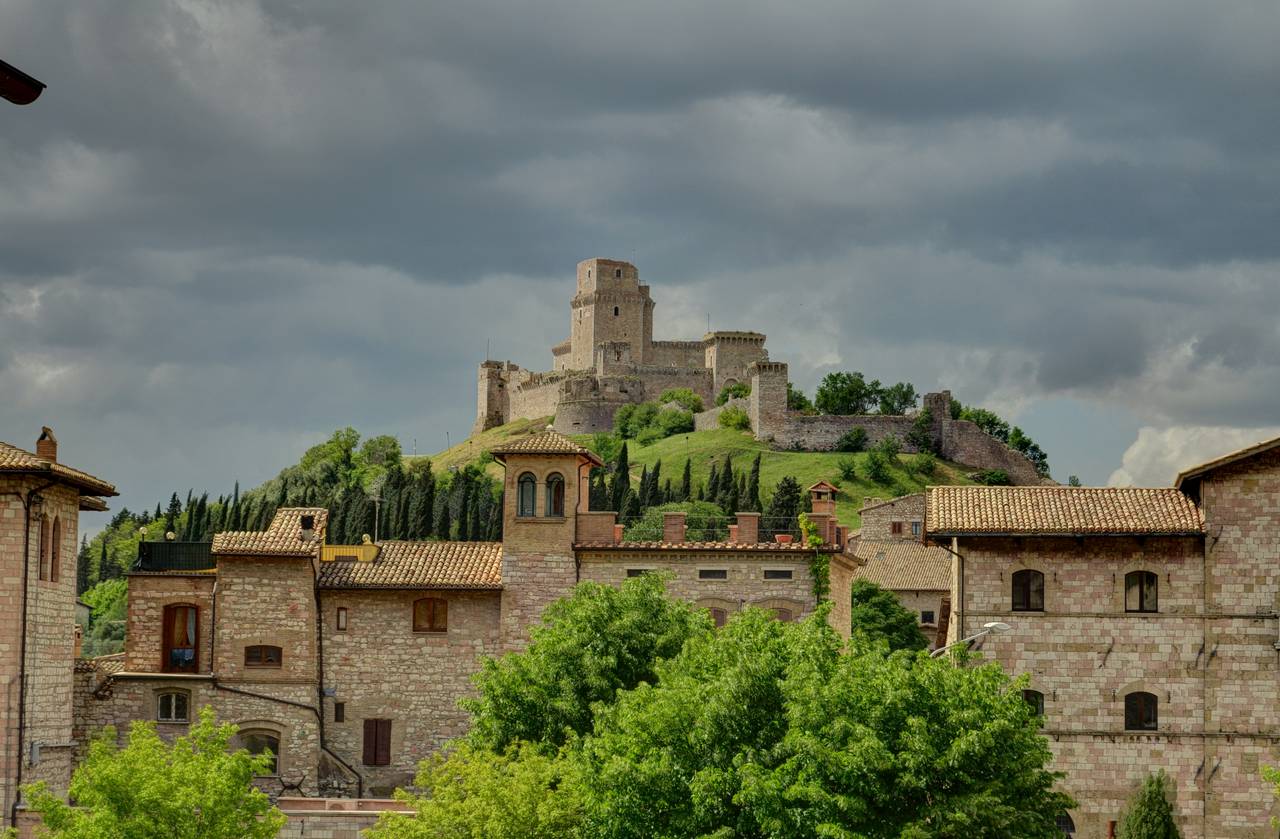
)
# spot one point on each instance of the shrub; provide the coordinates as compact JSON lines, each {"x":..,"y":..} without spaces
{"x":848,"y":468}
{"x":890,"y":447}
{"x":993,"y":478}
{"x":684,"y":397}
{"x":649,"y":435}
{"x":853,"y":440}
{"x":737,"y":390}
{"x":1149,"y":814}
{"x":878,"y":467}
{"x":735,"y":417}
{"x":707,"y":522}
{"x":924,"y":463}
{"x":673,"y":421}
{"x":921,"y":433}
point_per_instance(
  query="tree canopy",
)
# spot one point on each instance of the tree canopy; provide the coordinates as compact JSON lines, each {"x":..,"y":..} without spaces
{"x":1149,"y":813}
{"x":877,"y":616}
{"x":196,"y":788}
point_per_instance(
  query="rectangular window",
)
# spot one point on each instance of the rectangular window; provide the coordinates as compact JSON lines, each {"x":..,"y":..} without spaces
{"x":895,"y":528}
{"x":926,"y":617}
{"x":712,"y":574}
{"x":915,"y":528}
{"x":777,"y":573}
{"x":377,"y":742}
{"x":636,"y":572}
{"x":342,"y":618}
{"x":262,"y":655}
{"x":430,"y":614}
{"x":173,"y":707}
{"x":339,"y":712}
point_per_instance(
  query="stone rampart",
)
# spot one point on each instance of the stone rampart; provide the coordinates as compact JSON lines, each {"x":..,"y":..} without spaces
{"x":823,"y":432}
{"x":677,"y":354}
{"x":964,"y":442}
{"x":709,"y":420}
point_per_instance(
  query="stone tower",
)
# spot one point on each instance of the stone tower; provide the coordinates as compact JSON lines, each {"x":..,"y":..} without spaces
{"x":611,"y":306}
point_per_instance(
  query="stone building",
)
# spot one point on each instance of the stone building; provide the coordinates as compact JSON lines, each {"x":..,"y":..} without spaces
{"x":610,"y":359}
{"x":40,"y":504}
{"x":348,"y":661}
{"x":894,"y":556}
{"x":1146,"y":620}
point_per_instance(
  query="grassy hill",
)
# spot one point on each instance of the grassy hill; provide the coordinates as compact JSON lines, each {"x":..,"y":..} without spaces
{"x":704,"y":448}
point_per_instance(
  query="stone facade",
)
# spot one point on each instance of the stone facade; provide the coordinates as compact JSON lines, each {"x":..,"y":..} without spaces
{"x":40,"y":504}
{"x":1206,"y":651}
{"x":610,"y":359}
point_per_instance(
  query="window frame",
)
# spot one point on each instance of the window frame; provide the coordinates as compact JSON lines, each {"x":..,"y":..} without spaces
{"x":266,"y":734}
{"x":523,"y":511}
{"x":555,"y":492}
{"x":429,"y":626}
{"x":55,"y":551}
{"x":915,"y":528}
{"x":1035,"y":699}
{"x":1135,"y":714}
{"x":340,"y":619}
{"x":257,"y":656}
{"x":376,"y":742}
{"x":339,"y":712}
{"x":173,"y":696}
{"x":779,"y":574}
{"x":166,"y":638}
{"x":895,"y":528}
{"x":1030,"y":575}
{"x":713,"y":574}
{"x":1141,"y":577}
{"x":45,"y":539}
{"x":932,"y":617}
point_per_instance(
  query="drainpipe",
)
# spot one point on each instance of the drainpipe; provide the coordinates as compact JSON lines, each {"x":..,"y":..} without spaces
{"x":957,"y":608}
{"x":22,"y":644}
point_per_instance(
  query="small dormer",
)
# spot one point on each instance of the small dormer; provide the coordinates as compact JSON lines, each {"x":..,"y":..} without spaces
{"x":545,"y":487}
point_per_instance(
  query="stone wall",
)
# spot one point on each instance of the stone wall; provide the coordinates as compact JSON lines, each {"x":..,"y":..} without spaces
{"x":963,"y":442}
{"x":149,"y":594}
{"x":878,"y":517}
{"x":709,"y":420}
{"x":50,"y":638}
{"x":379,"y":668}
{"x":729,"y":356}
{"x":687,"y":354}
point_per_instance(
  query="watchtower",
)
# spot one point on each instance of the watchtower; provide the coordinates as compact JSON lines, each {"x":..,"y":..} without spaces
{"x":611,"y":306}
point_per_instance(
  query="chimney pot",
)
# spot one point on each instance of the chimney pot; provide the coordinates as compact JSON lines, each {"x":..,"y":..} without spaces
{"x":47,"y":445}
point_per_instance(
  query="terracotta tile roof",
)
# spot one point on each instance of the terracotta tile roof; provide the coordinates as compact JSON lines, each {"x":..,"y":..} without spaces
{"x":282,"y":538}
{"x":1059,"y":510}
{"x":548,"y":442}
{"x":92,"y":504}
{"x":1226,"y":460}
{"x":446,"y":565}
{"x":108,"y":664}
{"x":14,"y":459}
{"x":722,"y":547}
{"x":899,"y":565}
{"x":823,"y":485}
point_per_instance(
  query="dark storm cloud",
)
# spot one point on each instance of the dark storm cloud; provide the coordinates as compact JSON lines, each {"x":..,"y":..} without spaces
{"x":246,"y":223}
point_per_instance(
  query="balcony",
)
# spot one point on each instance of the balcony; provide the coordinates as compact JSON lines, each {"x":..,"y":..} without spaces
{"x":174,"y":556}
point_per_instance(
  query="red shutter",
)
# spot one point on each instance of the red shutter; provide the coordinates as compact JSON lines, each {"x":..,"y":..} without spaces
{"x":384,"y":742}
{"x":370,"y":742}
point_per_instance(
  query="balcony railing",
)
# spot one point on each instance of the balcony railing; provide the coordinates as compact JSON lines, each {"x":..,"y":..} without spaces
{"x":174,"y":556}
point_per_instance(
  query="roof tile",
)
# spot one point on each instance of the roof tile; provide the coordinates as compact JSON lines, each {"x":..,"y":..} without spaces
{"x":282,"y":538}
{"x":746,"y":547}
{"x":900,"y":565}
{"x":444,"y":565}
{"x":14,"y":459}
{"x":548,"y":442}
{"x":1058,"y":510}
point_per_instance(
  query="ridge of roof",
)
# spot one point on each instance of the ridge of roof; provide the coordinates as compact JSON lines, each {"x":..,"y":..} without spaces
{"x":1225,"y":460}
{"x":747,"y":547}
{"x":282,"y":538}
{"x":1060,"y":511}
{"x":548,"y":442}
{"x":15,"y":459}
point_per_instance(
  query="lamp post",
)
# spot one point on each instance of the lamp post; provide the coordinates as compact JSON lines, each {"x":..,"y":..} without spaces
{"x":992,"y":628}
{"x":17,"y":86}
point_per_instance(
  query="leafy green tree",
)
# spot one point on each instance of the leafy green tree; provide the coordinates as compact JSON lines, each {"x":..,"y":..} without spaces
{"x":785,"y":505}
{"x":848,"y":468}
{"x":890,"y":446}
{"x":671,"y":421}
{"x":921,"y":434}
{"x":925,"y":463}
{"x":797,"y":401}
{"x":988,"y":421}
{"x":684,"y":397}
{"x":896,"y":400}
{"x":854,"y":440}
{"x":877,"y":467}
{"x":737,"y":390}
{"x":992,"y":478}
{"x":1149,"y":813}
{"x":878,"y":616}
{"x":196,"y":787}
{"x":598,"y":641}
{"x":473,"y":793}
{"x":846,"y":393}
{"x":1020,"y":442}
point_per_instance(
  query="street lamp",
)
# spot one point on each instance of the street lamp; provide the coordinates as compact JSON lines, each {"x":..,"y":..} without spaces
{"x":992,"y":628}
{"x":17,"y":86}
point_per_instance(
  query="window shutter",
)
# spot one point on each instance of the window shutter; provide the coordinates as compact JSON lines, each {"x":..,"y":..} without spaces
{"x":384,"y":743}
{"x":370,"y":742}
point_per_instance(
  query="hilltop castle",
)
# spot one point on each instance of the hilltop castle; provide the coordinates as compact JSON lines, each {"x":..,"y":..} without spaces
{"x":611,"y":359}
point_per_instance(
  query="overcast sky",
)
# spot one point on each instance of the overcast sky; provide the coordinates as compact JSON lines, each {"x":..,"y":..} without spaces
{"x":228,"y":228}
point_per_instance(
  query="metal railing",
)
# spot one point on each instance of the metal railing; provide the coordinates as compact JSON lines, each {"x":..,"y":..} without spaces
{"x":174,"y":556}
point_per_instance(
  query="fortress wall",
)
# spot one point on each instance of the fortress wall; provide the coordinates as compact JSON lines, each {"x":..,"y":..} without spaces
{"x":730,"y":358}
{"x":710,"y":420}
{"x":820,"y":433}
{"x":964,"y":442}
{"x":677,"y":354}
{"x":655,"y":380}
{"x":534,"y":400}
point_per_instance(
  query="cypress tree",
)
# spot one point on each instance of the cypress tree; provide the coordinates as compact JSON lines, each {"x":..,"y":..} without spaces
{"x":82,"y":567}
{"x":632,"y":507}
{"x":414,"y":513}
{"x":442,"y":523}
{"x":713,"y":484}
{"x":201,"y":516}
{"x":481,"y":499}
{"x":598,"y":498}
{"x":1149,"y":814}
{"x":495,"y":522}
{"x":171,"y":514}
{"x":106,"y":571}
{"x":686,"y":481}
{"x":784,"y":506}
{"x":751,"y":500}
{"x":666,"y":492}
{"x":464,"y":513}
{"x":335,"y":527}
{"x":621,"y":480}
{"x":643,"y":489}
{"x":653,"y":498}
{"x":158,"y":514}
{"x":428,"y":500}
{"x":282,"y":496}
{"x":727,"y":484}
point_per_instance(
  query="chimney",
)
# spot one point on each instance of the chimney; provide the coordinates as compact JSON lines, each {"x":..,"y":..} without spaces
{"x":748,"y":528}
{"x":47,"y":445}
{"x":733,"y":534}
{"x":308,"y":527}
{"x":673,"y":527}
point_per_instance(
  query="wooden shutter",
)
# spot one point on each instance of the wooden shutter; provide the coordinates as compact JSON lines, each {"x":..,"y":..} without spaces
{"x":370,"y":757}
{"x":384,"y":742}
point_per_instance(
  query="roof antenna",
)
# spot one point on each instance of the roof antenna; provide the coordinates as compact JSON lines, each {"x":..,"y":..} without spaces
{"x":708,"y":321}
{"x":487,"y":355}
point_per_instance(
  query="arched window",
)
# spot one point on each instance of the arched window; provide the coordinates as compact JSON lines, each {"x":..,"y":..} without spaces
{"x":526,"y":488}
{"x":1140,"y":591}
{"x":719,"y":616}
{"x":1066,"y":825}
{"x":430,"y":614}
{"x":1035,"y":699}
{"x":181,"y":639}
{"x":258,"y":742}
{"x":1028,"y":591}
{"x":1140,"y":712}
{"x":262,"y":655}
{"x":44,"y":547}
{"x":617,"y":273}
{"x":55,"y":551}
{"x":173,"y":706}
{"x":555,"y":494}
{"x":615,"y":311}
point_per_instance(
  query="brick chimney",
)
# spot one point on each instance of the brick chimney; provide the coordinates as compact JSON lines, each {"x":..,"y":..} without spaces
{"x":47,"y":445}
{"x":748,"y":528}
{"x":673,"y":527}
